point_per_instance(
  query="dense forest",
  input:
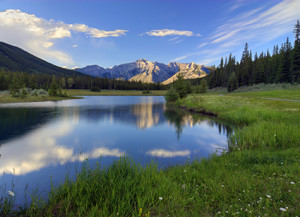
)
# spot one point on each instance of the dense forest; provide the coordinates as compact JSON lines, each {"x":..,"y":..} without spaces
{"x":282,"y":66}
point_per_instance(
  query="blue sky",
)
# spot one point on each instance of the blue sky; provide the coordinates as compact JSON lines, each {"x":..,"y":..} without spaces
{"x":76,"y":33}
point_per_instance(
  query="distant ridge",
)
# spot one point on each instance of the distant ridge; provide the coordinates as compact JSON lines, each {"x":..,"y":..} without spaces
{"x":148,"y":72}
{"x":15,"y":59}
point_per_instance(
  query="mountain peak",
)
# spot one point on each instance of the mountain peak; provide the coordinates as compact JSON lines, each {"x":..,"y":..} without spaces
{"x":142,"y":60}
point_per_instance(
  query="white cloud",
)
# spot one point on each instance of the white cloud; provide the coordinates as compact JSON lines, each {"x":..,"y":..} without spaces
{"x":75,"y":45}
{"x":257,"y":26}
{"x":168,"y":32}
{"x":179,"y":58}
{"x":38,"y":36}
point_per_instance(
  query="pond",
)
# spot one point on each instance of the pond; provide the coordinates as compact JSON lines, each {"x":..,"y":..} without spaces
{"x":49,"y":139}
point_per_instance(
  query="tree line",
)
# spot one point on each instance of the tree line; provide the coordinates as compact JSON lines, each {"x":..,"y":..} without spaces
{"x":282,"y":66}
{"x":14,"y":81}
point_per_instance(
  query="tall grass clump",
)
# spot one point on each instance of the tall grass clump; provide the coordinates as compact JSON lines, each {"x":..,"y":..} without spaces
{"x":266,"y":135}
{"x":246,"y":115}
{"x":122,"y":189}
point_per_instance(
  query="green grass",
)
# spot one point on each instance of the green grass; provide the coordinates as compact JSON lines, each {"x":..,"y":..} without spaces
{"x":243,"y":183}
{"x":293,"y":94}
{"x":77,"y":92}
{"x":259,"y":176}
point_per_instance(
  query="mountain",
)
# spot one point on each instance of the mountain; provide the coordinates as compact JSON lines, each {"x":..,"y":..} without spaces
{"x":15,"y":59}
{"x":189,"y":71}
{"x":146,"y":71}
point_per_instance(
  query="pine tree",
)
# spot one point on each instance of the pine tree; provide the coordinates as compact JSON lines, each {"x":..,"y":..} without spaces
{"x":232,"y":82}
{"x":245,"y":67}
{"x":2,"y":82}
{"x":53,"y":90}
{"x":296,"y":54}
{"x":285,"y":74}
{"x":180,"y":86}
{"x":274,"y":65}
{"x":203,"y":86}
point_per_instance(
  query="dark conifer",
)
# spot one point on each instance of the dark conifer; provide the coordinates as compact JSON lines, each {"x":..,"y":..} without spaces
{"x":296,"y":54}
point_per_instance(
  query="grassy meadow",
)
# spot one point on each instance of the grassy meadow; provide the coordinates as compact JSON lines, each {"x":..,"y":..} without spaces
{"x":259,"y":176}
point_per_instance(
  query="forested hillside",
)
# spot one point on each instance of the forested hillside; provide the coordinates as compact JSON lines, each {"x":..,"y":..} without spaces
{"x":282,"y":66}
{"x":15,"y":59}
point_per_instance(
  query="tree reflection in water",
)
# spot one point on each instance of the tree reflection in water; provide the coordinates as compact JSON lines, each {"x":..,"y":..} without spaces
{"x":180,"y":118}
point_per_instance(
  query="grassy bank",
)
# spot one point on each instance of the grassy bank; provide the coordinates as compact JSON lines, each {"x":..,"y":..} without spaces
{"x":259,"y":177}
{"x":264,"y":122}
{"x":5,"y":97}
{"x":77,"y":92}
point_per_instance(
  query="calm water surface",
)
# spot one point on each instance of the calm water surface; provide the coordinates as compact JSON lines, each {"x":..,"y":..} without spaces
{"x":39,"y":140}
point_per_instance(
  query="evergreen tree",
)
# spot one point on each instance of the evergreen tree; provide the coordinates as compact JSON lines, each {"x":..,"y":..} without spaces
{"x":274,"y":65}
{"x":285,"y":74}
{"x":2,"y":82}
{"x":296,"y":54}
{"x":180,"y":86}
{"x":203,"y":86}
{"x":53,"y":90}
{"x":15,"y":85}
{"x":245,"y":67}
{"x":232,"y":82}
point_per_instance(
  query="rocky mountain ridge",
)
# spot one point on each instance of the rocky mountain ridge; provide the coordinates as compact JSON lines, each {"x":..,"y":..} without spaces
{"x":149,"y":72}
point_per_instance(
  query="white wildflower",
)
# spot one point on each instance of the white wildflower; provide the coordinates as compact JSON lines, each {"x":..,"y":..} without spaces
{"x":268,"y":196}
{"x":160,"y":198}
{"x":292,"y":183}
{"x":282,"y":209}
{"x":11,"y":193}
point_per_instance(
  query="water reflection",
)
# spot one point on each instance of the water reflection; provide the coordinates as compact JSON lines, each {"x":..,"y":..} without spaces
{"x":38,"y":139}
{"x":15,"y":122}
{"x":180,"y":118}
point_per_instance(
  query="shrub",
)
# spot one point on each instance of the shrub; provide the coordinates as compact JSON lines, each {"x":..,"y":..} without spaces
{"x":146,"y":91}
{"x":172,"y":95}
{"x":95,"y":89}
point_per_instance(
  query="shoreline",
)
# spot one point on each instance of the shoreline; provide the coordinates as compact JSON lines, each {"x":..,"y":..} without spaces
{"x":258,"y":176}
{"x":76,"y":94}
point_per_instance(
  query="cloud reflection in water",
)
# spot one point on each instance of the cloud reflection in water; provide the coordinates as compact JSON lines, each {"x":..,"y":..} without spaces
{"x":40,"y":148}
{"x":166,"y":153}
